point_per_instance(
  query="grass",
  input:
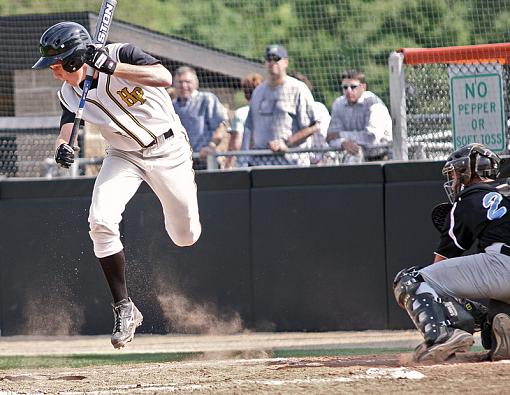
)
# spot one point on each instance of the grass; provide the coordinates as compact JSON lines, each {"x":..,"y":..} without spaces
{"x":78,"y":361}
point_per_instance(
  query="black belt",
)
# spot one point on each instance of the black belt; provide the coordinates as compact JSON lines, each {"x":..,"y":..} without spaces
{"x":505,"y":250}
{"x":166,"y":135}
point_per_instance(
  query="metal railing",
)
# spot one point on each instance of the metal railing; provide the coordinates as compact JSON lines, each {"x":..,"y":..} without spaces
{"x":216,"y":161}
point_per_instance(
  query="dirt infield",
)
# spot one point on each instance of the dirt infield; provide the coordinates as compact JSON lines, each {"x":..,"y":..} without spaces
{"x":216,"y":372}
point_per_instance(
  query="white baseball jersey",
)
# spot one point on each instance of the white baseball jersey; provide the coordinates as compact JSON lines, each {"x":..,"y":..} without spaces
{"x":129,"y":116}
{"x":134,"y":120}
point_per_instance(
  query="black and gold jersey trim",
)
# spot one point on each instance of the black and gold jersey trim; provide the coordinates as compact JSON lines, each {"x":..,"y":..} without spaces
{"x":114,"y":119}
{"x":133,"y":118}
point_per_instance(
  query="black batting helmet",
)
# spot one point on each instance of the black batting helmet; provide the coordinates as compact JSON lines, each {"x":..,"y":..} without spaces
{"x":65,"y":42}
{"x":466,"y":162}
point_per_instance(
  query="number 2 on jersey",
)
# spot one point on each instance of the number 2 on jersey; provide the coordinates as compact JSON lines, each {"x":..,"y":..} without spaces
{"x":492,"y":201}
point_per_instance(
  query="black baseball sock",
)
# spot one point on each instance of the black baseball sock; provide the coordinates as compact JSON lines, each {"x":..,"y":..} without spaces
{"x":114,"y":269}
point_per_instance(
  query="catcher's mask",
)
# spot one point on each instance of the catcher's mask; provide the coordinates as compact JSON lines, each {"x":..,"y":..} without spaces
{"x":65,"y":42}
{"x":465,"y":163}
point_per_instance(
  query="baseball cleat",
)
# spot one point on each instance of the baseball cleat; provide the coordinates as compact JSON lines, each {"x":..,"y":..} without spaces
{"x":501,"y":340}
{"x":458,"y":341}
{"x":127,"y":318}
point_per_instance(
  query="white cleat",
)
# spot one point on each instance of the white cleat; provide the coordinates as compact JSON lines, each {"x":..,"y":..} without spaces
{"x":127,"y":318}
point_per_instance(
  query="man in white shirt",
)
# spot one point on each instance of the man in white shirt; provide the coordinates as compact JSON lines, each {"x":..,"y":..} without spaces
{"x":359,"y":119}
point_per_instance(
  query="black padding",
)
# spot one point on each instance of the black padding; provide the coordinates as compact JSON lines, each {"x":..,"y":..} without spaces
{"x":315,"y":248}
{"x":347,"y":174}
{"x":19,"y":188}
{"x":413,"y":171}
{"x":285,"y":248}
{"x":411,"y":191}
{"x":213,"y":276}
{"x":51,"y":282}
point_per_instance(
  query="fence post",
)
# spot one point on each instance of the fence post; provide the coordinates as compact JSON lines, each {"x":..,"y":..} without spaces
{"x":212,"y":162}
{"x":398,"y":105}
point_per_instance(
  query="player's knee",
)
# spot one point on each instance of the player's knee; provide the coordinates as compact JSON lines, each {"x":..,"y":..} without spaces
{"x":106,"y":238}
{"x":406,"y":283}
{"x":431,"y":313}
{"x":185,"y":236}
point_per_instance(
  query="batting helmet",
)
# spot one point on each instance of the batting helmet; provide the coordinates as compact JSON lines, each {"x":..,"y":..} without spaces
{"x":466,"y":162}
{"x":65,"y":42}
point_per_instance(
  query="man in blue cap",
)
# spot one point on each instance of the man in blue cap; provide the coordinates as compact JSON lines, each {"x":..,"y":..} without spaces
{"x":281,"y":113}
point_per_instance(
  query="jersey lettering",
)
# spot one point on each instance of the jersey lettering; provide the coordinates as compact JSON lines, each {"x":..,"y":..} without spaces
{"x":131,"y":98}
{"x":491,"y":201}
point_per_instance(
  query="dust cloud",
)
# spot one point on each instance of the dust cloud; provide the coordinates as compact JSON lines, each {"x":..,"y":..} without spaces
{"x":57,"y":316}
{"x":186,"y":316}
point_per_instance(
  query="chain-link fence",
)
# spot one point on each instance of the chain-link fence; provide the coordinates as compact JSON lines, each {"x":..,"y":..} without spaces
{"x":225,"y":40}
{"x":445,"y":98}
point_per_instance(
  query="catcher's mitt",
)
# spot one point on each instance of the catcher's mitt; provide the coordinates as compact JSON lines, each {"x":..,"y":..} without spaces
{"x":439,"y":215}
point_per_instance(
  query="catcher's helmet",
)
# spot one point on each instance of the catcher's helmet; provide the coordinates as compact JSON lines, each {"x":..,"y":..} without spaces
{"x":66,"y":42}
{"x":467,"y":162}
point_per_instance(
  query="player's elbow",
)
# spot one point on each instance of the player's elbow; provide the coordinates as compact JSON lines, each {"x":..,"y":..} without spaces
{"x":162,"y":77}
{"x":167,"y":79}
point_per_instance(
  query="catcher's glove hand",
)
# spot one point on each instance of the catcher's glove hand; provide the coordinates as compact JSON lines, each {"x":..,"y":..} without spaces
{"x":439,"y":215}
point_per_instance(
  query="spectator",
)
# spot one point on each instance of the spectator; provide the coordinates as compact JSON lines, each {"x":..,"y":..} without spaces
{"x":281,"y":113}
{"x":236,"y":130}
{"x":359,"y":119}
{"x":201,"y":114}
{"x":318,"y":140}
{"x":171,"y":92}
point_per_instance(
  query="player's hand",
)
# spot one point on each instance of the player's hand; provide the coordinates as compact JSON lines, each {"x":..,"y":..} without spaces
{"x":207,"y":150}
{"x":351,"y":147}
{"x":100,"y":60}
{"x":277,"y":146}
{"x":64,"y":155}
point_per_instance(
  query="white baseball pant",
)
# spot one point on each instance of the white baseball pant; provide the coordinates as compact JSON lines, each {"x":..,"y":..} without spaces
{"x":167,"y":169}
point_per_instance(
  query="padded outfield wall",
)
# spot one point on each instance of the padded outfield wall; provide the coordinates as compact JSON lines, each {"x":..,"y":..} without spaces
{"x":301,"y":249}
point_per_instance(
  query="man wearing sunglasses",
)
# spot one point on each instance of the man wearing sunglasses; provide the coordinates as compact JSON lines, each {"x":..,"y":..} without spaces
{"x":360,"y":122}
{"x":128,"y":102}
{"x":281,"y":113}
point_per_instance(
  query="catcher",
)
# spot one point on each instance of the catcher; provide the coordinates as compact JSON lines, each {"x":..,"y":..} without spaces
{"x":437,"y":297}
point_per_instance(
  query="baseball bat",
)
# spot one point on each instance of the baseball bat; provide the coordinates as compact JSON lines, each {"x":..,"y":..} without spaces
{"x":104,"y":21}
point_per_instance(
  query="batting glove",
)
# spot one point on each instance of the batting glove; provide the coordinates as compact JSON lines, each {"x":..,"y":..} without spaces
{"x":64,"y":155}
{"x":100,"y":60}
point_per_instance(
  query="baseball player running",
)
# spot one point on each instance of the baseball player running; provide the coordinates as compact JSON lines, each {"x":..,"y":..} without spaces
{"x":147,"y":142}
{"x":437,"y":297}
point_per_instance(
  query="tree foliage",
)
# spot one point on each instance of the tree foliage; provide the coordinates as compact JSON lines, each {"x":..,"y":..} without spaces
{"x":323,"y":37}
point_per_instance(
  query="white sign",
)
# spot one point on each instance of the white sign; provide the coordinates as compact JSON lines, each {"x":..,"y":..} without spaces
{"x":478,"y":114}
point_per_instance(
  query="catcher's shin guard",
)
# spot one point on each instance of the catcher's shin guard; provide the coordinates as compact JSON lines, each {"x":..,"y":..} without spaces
{"x":430,"y":313}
